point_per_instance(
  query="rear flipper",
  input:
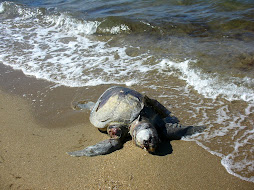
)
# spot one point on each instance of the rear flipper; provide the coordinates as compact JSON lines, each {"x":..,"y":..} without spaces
{"x":101,"y":148}
{"x":175,"y":131}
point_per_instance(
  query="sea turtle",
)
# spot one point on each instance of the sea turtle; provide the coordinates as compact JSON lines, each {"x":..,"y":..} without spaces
{"x":123,"y":112}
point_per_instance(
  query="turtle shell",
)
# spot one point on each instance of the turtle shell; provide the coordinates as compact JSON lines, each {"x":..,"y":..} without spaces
{"x":116,"y":104}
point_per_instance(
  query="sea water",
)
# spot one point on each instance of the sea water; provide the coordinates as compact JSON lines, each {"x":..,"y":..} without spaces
{"x":195,"y":57}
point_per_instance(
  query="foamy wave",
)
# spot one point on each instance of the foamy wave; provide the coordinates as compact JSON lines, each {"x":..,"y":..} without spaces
{"x":62,"y":21}
{"x":239,"y":162}
{"x":211,"y":86}
{"x":230,"y":165}
{"x":116,"y":29}
{"x":61,"y":49}
{"x":2,"y":8}
{"x":71,"y":25}
{"x":229,"y":134}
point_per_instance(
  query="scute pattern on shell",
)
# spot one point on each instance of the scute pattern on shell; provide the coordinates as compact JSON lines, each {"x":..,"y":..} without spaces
{"x":117,"y":104}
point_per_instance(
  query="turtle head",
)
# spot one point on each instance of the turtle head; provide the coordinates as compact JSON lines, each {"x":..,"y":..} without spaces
{"x":145,"y":135}
{"x":117,"y":130}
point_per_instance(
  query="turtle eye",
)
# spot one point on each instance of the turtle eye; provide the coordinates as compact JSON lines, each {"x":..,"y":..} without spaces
{"x":111,"y":126}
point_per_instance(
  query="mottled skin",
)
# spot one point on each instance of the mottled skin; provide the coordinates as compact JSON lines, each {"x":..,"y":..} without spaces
{"x":123,"y":112}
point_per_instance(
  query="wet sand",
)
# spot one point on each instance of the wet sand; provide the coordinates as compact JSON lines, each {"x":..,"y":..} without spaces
{"x":34,"y":157}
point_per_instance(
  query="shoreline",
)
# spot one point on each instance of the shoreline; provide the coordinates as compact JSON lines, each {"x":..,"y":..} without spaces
{"x":202,"y":73}
{"x":34,"y":157}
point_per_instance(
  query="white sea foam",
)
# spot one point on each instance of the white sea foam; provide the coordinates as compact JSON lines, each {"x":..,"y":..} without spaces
{"x":60,"y":49}
{"x":209,"y":85}
{"x":229,"y":164}
{"x":116,"y":29}
{"x":72,"y":26}
{"x":237,"y":152}
{"x":1,"y":8}
{"x":235,"y":155}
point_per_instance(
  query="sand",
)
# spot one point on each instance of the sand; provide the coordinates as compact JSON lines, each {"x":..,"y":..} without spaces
{"x":34,"y":157}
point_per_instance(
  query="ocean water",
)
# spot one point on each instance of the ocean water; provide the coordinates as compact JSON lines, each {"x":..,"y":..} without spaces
{"x":196,"y":57}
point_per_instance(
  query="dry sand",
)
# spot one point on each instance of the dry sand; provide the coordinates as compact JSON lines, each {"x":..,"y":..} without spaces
{"x":34,"y":157}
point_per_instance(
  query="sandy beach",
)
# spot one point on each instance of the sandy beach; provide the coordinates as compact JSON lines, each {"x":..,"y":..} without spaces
{"x":34,"y":157}
{"x":195,"y":57}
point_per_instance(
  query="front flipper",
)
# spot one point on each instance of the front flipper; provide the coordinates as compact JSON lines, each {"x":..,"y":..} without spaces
{"x":101,"y":148}
{"x":83,"y":105}
{"x":176,"y":131}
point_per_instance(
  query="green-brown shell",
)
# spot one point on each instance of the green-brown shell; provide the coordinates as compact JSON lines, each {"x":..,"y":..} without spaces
{"x":117,"y":104}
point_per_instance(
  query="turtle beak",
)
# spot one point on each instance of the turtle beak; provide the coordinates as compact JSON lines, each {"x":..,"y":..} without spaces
{"x":148,"y":148}
{"x":151,"y":149}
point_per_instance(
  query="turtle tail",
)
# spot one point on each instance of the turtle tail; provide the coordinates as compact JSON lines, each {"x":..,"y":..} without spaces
{"x":101,"y":148}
